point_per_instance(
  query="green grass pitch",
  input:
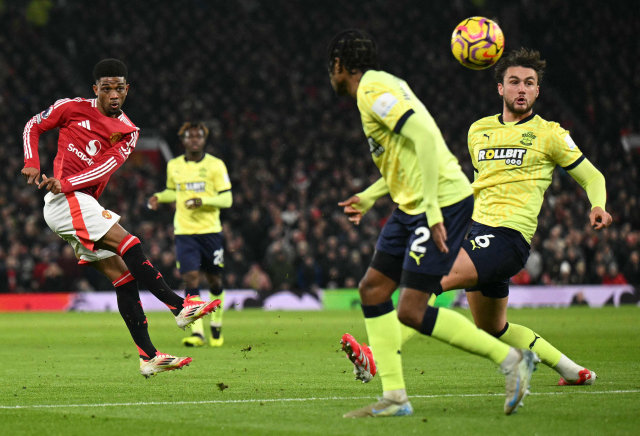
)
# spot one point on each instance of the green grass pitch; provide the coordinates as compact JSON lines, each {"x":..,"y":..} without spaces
{"x":285,"y":376}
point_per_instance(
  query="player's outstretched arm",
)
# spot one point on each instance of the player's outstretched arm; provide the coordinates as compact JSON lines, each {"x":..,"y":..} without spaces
{"x":427,"y":153}
{"x":166,"y":196}
{"x":594,"y":184}
{"x":355,"y":207}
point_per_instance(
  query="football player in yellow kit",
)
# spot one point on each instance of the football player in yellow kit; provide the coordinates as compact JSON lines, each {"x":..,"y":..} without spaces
{"x":514,"y":155}
{"x":420,"y":241}
{"x":199,"y":184}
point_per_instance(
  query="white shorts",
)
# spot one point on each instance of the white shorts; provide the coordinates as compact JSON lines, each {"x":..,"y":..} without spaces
{"x":79,"y":219}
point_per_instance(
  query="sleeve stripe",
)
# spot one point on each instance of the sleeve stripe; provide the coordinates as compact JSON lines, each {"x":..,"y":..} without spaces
{"x":575,"y":164}
{"x":26,"y":137}
{"x":95,"y":170}
{"x":94,"y":176}
{"x":403,"y":119}
{"x":226,"y":190}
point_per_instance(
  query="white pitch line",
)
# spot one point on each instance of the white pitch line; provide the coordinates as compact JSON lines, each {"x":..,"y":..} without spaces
{"x":277,"y":400}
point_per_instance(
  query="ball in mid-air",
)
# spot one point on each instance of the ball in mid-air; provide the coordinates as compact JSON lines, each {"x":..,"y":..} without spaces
{"x":477,"y":43}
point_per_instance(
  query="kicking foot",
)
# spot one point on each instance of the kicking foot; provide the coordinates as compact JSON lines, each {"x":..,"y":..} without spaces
{"x":364,"y":367}
{"x":162,"y":362}
{"x":586,"y":378}
{"x":195,"y":340}
{"x":194,"y":309}
{"x":384,"y":407}
{"x":216,"y":342}
{"x":517,"y":377}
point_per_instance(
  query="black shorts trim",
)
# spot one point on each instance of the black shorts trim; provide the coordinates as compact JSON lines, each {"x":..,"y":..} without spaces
{"x":388,"y":265}
{"x":421,"y":282}
{"x":403,"y":119}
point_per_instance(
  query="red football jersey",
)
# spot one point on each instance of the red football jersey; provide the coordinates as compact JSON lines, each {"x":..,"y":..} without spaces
{"x":91,"y":146}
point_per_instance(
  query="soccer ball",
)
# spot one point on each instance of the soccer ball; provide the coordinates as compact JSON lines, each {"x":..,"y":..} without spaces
{"x":477,"y":43}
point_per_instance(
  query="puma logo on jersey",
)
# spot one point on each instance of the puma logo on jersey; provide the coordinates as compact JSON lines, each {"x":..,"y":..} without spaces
{"x":534,"y":341}
{"x":416,"y":257}
{"x":511,"y":156}
{"x":488,"y":136}
{"x":85,"y":124}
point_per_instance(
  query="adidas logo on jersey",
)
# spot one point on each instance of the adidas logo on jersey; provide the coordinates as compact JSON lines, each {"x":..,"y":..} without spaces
{"x":511,"y":156}
{"x":85,"y":124}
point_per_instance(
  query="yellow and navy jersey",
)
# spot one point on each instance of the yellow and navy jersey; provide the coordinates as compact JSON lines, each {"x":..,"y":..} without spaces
{"x":514,"y":164}
{"x":385,"y":103}
{"x":206,"y":178}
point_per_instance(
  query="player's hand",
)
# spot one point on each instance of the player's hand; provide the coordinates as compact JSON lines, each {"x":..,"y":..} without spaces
{"x":153,"y":203}
{"x":31,"y":175}
{"x":599,"y":218}
{"x":193,"y":203}
{"x":354,"y":214}
{"x":52,"y":184}
{"x":439,"y":235}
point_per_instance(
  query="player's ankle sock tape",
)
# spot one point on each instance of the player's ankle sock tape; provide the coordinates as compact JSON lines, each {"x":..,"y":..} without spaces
{"x":132,"y":313}
{"x":429,"y":320}
{"x":502,"y":332}
{"x":149,"y":277}
{"x":215,"y":332}
{"x":376,"y":310}
{"x":192,"y":291}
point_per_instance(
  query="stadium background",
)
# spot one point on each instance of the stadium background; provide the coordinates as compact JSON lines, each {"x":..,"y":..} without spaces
{"x":255,"y":72}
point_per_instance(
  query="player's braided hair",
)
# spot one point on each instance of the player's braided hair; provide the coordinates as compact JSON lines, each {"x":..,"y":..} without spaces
{"x":356,"y":50}
{"x":188,"y":125}
{"x":109,"y":68}
{"x":523,"y":57}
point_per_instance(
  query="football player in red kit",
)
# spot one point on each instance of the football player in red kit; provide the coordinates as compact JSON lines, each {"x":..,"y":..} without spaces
{"x":95,"y":139}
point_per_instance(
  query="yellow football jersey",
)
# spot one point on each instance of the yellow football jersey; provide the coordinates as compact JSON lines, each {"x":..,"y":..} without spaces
{"x":206,"y":178}
{"x":514,"y":164}
{"x":385,"y":103}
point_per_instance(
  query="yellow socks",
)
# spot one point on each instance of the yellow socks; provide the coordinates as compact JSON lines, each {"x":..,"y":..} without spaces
{"x":451,"y":327}
{"x":522,"y":337}
{"x":383,"y":329}
{"x":198,"y":327}
{"x":216,"y":317}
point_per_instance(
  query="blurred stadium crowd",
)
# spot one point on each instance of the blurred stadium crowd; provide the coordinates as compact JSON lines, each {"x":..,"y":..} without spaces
{"x":256,"y":73}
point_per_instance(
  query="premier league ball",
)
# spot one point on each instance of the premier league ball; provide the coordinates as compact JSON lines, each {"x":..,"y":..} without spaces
{"x":477,"y":43}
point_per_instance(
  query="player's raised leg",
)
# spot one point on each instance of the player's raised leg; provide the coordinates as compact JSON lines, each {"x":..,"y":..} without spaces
{"x":130,"y":307}
{"x":478,"y":263}
{"x":129,"y":248}
{"x":453,"y":328}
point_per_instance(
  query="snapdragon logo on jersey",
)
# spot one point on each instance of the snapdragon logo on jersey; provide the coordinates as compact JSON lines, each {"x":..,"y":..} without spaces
{"x":83,"y":157}
{"x":511,"y":156}
{"x":93,"y":147}
{"x":195,"y":186}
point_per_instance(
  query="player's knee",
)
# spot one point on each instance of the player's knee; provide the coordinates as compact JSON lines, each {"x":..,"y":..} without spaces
{"x":409,"y":316}
{"x":366,"y":287}
{"x":215,"y":285}
{"x":494,"y":328}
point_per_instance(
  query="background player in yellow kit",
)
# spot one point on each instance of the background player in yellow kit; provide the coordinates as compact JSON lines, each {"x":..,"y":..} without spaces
{"x":420,"y":241}
{"x":199,"y":184}
{"x":514,"y":155}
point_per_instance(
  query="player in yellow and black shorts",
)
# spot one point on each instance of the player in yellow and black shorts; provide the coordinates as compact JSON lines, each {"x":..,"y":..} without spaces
{"x":419,"y":243}
{"x":514,"y":155}
{"x":199,"y":184}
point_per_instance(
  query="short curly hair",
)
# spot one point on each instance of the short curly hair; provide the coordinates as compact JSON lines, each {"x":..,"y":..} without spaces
{"x":523,"y":57}
{"x":110,"y":68}
{"x":356,"y":50}
{"x":189,"y":125}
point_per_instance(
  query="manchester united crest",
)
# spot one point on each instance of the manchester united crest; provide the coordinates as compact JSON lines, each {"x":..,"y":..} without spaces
{"x":115,"y":137}
{"x":106,"y":214}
